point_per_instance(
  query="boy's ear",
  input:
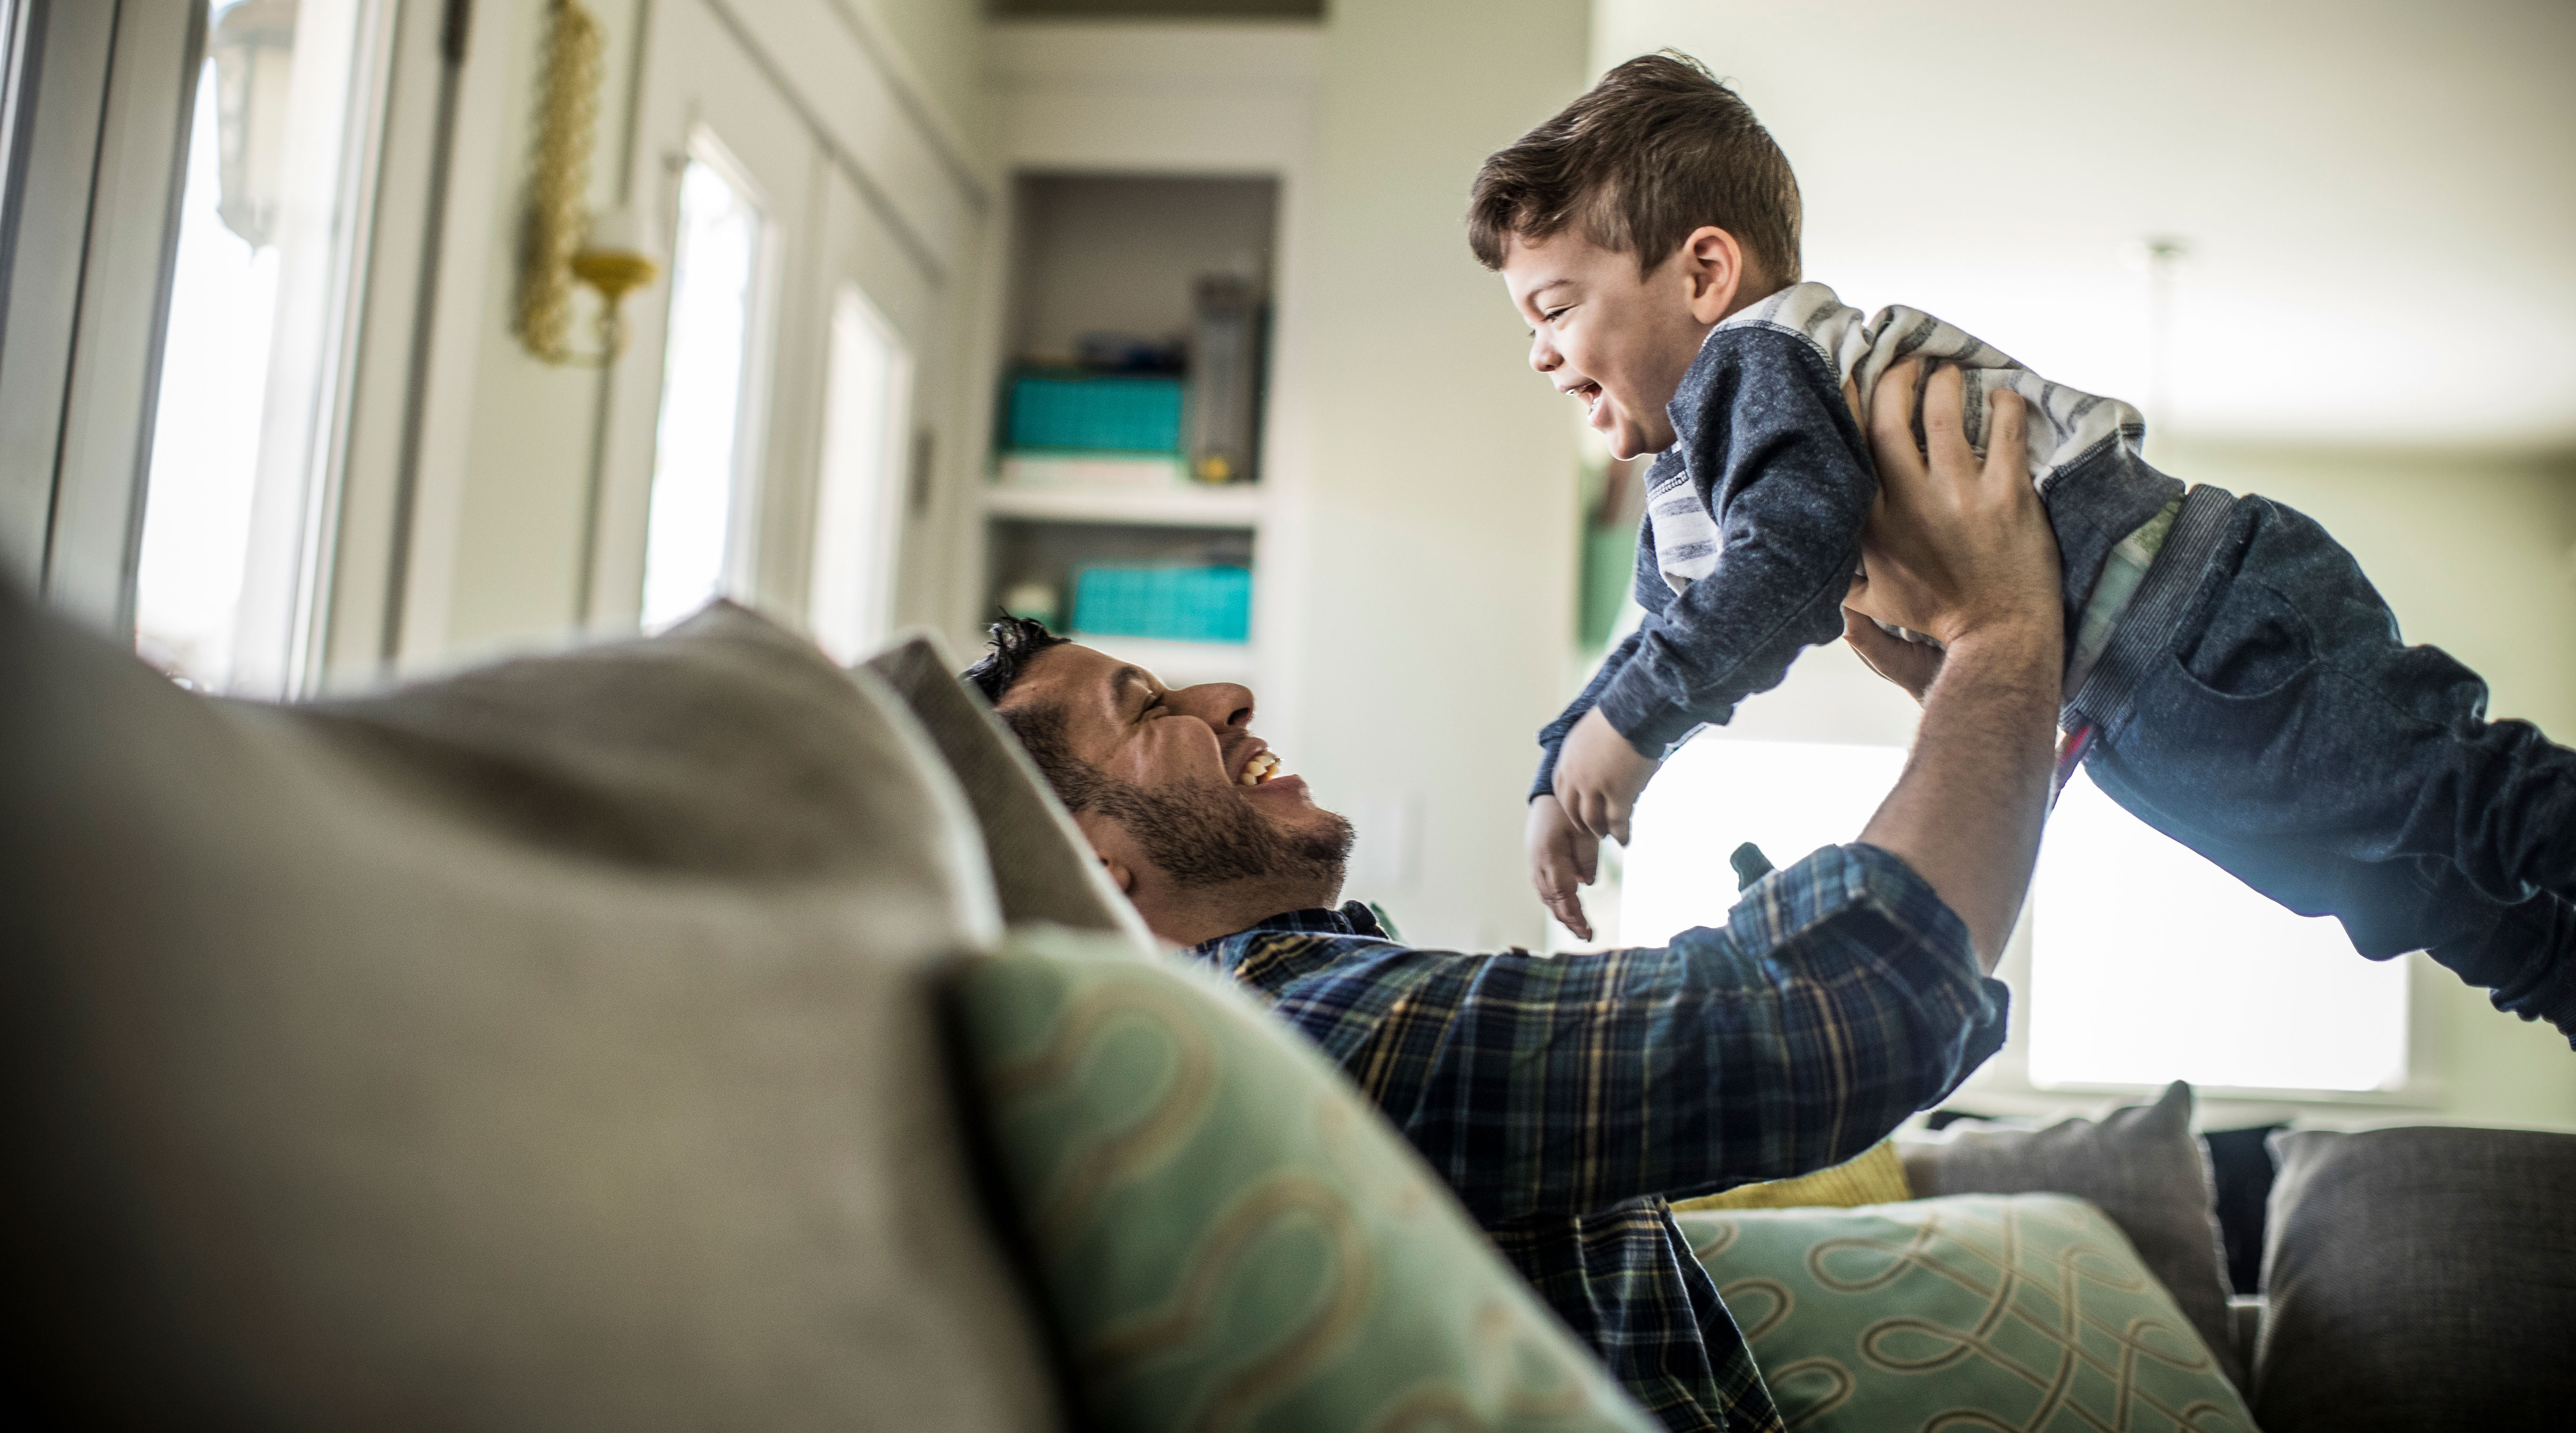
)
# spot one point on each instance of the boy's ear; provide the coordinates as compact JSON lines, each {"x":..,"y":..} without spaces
{"x":1712,"y":265}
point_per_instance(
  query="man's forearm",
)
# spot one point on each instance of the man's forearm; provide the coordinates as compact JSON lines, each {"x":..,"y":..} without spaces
{"x":1966,"y":815}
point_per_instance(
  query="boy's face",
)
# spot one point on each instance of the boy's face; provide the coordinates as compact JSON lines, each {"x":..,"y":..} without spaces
{"x":1614,"y":340}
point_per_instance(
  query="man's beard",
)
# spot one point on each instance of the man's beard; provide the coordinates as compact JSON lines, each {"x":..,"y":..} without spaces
{"x":1200,"y":836}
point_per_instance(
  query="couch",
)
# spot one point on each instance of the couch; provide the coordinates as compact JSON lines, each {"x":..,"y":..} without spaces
{"x":2412,"y":1278}
{"x":573,"y":1041}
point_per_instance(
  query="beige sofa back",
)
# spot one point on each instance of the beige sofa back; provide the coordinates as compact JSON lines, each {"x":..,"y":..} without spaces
{"x":551,"y":1046}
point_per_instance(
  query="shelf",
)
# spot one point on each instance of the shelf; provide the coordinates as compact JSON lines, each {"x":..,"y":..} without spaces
{"x":1179,"y":664}
{"x":1155,"y":507}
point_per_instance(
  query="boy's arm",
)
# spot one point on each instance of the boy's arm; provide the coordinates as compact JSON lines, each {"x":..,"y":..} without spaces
{"x":1551,"y":738}
{"x":1792,"y":492}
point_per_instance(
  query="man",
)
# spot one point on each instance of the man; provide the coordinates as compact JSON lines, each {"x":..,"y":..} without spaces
{"x":1566,"y":1100}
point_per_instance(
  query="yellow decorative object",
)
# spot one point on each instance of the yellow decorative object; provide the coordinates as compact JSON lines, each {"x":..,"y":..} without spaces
{"x":562,"y":244}
{"x":1874,"y":1176}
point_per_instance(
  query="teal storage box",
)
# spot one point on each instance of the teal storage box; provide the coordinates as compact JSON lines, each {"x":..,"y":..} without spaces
{"x":1119,"y":413}
{"x":1172,"y":604}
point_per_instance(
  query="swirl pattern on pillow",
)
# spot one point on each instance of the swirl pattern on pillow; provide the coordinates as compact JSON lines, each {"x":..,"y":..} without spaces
{"x":2025,"y":1312}
{"x":1227,"y":1236}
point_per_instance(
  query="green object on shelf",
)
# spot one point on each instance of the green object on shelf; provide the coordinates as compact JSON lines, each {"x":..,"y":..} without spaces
{"x":1093,"y":412}
{"x":1172,"y":604}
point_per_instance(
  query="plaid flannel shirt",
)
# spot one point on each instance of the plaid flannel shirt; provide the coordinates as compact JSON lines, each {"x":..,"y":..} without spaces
{"x":1567,"y":1099}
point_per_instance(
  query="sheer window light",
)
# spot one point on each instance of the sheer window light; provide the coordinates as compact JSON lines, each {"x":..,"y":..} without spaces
{"x":238,"y":492}
{"x":1716,"y":793}
{"x":858,"y":492}
{"x":2150,"y":964}
{"x":698,"y":444}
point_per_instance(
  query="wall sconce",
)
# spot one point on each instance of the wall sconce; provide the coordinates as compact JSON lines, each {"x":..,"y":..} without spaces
{"x":253,"y":48}
{"x":563,"y":243}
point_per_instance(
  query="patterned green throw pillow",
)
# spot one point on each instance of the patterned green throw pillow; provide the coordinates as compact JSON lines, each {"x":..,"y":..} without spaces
{"x":2026,"y":1312}
{"x":1228,"y":1234}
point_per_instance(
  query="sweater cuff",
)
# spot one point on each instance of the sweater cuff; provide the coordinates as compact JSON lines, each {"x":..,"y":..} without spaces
{"x":1649,"y":720}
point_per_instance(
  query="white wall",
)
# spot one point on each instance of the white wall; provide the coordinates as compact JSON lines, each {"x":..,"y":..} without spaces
{"x":504,"y":511}
{"x":1436,"y":529}
{"x":504,"y":562}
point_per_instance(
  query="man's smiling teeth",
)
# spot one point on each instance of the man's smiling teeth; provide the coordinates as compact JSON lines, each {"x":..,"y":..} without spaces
{"x":1259,"y":769}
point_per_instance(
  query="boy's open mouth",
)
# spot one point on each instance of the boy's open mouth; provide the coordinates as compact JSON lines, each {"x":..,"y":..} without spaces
{"x":1590,"y":396}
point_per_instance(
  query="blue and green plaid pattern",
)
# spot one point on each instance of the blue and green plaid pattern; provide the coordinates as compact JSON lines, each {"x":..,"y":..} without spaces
{"x":1567,"y":1099}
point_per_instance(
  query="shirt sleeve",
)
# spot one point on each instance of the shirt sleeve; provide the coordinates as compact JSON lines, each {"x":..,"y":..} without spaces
{"x":1840,"y":997}
{"x":1551,"y":738}
{"x":1789,"y":478}
{"x":1647,"y":586}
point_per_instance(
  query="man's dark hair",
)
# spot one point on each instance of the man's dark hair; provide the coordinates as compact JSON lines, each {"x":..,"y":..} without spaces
{"x":1193,"y":836}
{"x":1655,"y":150}
{"x":1015,"y":640}
{"x":1038,"y":725}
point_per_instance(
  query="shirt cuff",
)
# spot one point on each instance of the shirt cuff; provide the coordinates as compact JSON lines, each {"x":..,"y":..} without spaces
{"x":1921,"y":943}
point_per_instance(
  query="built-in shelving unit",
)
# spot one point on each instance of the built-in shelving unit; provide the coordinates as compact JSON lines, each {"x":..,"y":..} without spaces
{"x":1235,"y":505}
{"x":1127,"y":263}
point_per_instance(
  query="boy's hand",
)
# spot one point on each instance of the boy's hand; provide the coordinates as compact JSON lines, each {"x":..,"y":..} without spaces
{"x":1562,"y":857}
{"x":1598,"y":776}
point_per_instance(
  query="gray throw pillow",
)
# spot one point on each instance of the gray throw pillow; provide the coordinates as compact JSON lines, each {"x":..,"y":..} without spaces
{"x":2420,"y":1279}
{"x":2140,"y":1165}
{"x":552,"y":1046}
{"x":1043,"y":869}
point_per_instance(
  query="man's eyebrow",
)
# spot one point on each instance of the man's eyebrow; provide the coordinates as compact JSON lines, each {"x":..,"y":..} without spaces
{"x":1119,"y":679}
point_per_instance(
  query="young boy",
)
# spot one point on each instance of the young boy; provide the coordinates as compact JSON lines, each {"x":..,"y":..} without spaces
{"x":2233,"y":679}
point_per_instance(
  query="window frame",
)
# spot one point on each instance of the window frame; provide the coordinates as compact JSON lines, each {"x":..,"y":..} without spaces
{"x":743,"y":479}
{"x":100,"y":94}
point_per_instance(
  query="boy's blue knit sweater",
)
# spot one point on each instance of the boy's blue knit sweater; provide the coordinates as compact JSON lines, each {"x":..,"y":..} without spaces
{"x":1754,"y":516}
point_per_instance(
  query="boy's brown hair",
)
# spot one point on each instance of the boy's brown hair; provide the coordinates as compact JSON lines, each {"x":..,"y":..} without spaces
{"x":1656,"y":149}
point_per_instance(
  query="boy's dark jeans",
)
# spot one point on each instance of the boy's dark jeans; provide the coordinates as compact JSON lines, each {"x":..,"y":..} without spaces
{"x":2288,"y":736}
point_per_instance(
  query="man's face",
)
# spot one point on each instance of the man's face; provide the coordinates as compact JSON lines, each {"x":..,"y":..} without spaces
{"x":1182,"y":771}
{"x":1616,"y":341}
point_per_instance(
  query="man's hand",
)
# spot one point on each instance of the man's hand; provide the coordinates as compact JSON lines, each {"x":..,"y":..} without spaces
{"x":1911,"y":665}
{"x":1951,"y":544}
{"x":1562,"y":857}
{"x":1963,"y":550}
{"x":1598,"y":776}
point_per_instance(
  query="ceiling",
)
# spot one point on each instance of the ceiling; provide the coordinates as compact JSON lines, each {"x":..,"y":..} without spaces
{"x":2379,"y":197}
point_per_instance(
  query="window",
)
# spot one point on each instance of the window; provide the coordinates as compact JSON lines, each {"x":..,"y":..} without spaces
{"x":701,"y":447}
{"x":1715,"y":794}
{"x":243,"y":459}
{"x":857,"y":491}
{"x":2150,"y":964}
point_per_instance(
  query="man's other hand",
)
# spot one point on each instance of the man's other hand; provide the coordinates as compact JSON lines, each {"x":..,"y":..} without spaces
{"x":1563,"y":857}
{"x":1911,"y":665}
{"x":1598,"y":777}
{"x":1952,"y":544}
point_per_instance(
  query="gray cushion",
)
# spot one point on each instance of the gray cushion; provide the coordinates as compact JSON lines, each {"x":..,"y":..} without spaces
{"x":1043,"y":869}
{"x":553,"y":1046}
{"x":2140,"y":1164}
{"x":2420,"y":1279}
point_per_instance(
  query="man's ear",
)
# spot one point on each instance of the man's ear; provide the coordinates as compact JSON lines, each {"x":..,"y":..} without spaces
{"x":1116,"y":850}
{"x":1712,"y":270}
